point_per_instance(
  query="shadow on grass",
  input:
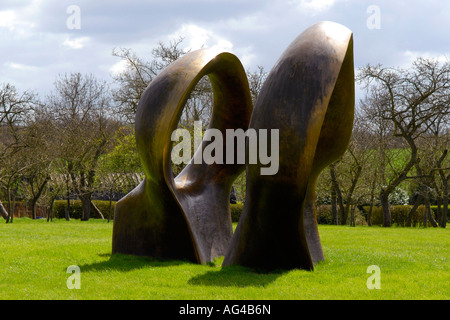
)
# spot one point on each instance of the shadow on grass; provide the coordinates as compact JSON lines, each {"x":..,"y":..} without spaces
{"x":230,"y":276}
{"x":123,"y":262}
{"x":235,"y":276}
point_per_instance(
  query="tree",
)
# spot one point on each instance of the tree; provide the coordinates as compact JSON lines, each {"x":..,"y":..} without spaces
{"x":256,"y":80}
{"x":345,"y":174}
{"x":120,"y":170}
{"x":14,"y":109}
{"x":410,"y":100}
{"x":41,"y":155}
{"x":80,"y":105}
{"x":138,"y":74}
{"x":433,"y":170}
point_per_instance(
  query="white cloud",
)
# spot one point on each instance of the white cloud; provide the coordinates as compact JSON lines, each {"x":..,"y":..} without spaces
{"x":21,"y":67}
{"x":196,"y":37}
{"x":410,"y":56}
{"x":246,"y":56}
{"x":118,"y":67}
{"x":7,"y":19}
{"x":21,"y":21}
{"x":76,"y":43}
{"x":15,"y":24}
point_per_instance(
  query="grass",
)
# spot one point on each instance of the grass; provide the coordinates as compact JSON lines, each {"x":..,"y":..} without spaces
{"x":35,"y":255}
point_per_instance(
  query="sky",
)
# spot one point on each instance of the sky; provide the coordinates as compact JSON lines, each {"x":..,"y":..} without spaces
{"x":42,"y":39}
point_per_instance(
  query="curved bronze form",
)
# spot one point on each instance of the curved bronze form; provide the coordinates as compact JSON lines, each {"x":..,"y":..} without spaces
{"x":309,"y":97}
{"x":187,"y":217}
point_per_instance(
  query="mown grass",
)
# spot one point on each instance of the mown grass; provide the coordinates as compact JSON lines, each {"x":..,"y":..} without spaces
{"x":35,"y":255}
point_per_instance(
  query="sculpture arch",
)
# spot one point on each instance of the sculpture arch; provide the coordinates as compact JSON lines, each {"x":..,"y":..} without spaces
{"x":186,"y":217}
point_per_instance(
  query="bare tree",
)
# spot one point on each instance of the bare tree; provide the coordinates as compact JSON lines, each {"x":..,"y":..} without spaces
{"x":434,"y":170}
{"x":138,"y":74}
{"x":410,"y":100}
{"x":40,"y":151}
{"x":346,"y":173}
{"x":256,"y":80}
{"x":14,"y":109}
{"x":82,"y":117}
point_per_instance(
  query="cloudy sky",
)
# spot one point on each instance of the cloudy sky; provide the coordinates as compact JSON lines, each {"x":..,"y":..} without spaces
{"x":44,"y":38}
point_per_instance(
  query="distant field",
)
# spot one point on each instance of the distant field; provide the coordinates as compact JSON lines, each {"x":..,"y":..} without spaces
{"x":35,"y":256}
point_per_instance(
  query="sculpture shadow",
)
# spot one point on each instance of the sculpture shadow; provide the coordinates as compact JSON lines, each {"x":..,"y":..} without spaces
{"x":124,"y":262}
{"x":236,"y":276}
{"x":227,"y":276}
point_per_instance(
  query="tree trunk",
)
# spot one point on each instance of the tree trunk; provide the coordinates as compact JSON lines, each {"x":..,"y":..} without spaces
{"x":50,"y":210}
{"x":67,"y":209}
{"x":384,"y":198}
{"x":369,"y":214}
{"x":13,"y":207}
{"x":445,"y":180}
{"x":10,"y":209}
{"x":340,"y":200}
{"x":110,"y":206}
{"x":3,"y":211}
{"x":86,"y":206}
{"x":37,"y":196}
{"x":372,"y":201}
{"x":33,"y":209}
{"x":352,"y":216}
{"x":428,"y":213}
{"x":334,"y":212}
{"x":343,"y":219}
{"x":413,"y":210}
{"x":384,"y":194}
{"x":97,"y":210}
{"x":438,"y":209}
{"x":444,"y":215}
{"x":348,"y":206}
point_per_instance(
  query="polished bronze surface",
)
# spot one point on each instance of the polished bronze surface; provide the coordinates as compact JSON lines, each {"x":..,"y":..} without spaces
{"x":309,"y":97}
{"x":186,"y":217}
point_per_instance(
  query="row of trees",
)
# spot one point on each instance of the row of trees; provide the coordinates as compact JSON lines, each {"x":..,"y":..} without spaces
{"x":80,"y":140}
{"x":400,"y":142}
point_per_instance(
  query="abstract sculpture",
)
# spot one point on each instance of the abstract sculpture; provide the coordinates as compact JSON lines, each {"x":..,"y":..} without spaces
{"x":186,"y":217}
{"x":308,"y":96}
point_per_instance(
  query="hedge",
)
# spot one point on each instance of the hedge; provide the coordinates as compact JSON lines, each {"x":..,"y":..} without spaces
{"x":236,"y":211}
{"x":59,"y":208}
{"x":325,"y":216}
{"x":434,"y":208}
{"x":323,"y":213}
{"x":399,"y":215}
{"x":76,"y":210}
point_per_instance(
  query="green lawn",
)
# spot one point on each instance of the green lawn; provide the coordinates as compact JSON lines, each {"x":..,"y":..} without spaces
{"x":35,"y":255}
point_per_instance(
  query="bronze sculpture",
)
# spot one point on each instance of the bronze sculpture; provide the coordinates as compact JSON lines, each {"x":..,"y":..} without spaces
{"x":186,"y":217}
{"x":308,"y":96}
